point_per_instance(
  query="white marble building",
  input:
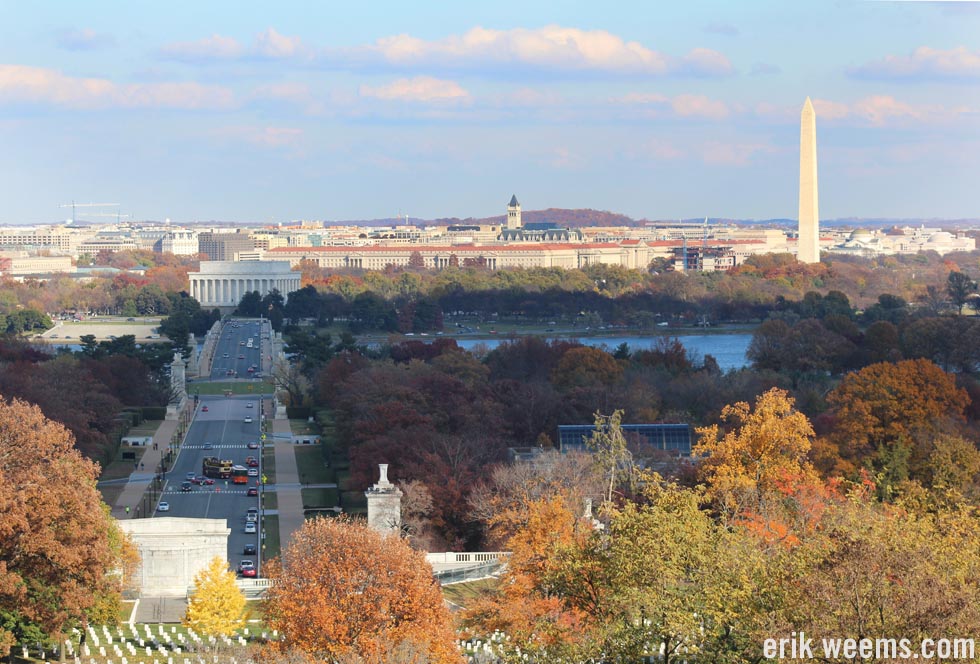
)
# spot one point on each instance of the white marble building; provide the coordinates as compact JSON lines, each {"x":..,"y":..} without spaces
{"x":223,"y":283}
{"x":173,"y":550}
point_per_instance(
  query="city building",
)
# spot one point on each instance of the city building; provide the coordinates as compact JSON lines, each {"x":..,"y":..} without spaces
{"x":223,"y":246}
{"x":22,"y":265}
{"x":631,"y":254}
{"x":222,"y":284}
{"x":179,"y":243}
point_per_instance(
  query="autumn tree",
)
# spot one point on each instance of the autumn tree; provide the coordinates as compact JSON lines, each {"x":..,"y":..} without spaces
{"x":60,"y":551}
{"x":758,"y":471}
{"x":612,"y":455}
{"x":887,"y":414}
{"x":342,"y":589}
{"x":217,"y":607}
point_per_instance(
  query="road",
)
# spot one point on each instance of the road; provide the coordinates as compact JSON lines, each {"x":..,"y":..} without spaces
{"x":228,"y":425}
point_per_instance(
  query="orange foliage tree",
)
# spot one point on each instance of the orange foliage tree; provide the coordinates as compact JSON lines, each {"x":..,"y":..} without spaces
{"x":59,"y":548}
{"x":341,"y":589}
{"x":525,"y":608}
{"x":758,"y":473}
{"x":887,"y":414}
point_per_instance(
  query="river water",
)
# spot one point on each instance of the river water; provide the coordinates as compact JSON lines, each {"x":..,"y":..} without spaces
{"x":728,"y":349}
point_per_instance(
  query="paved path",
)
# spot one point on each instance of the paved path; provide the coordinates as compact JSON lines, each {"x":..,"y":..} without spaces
{"x":287,"y":480}
{"x":138,"y":482}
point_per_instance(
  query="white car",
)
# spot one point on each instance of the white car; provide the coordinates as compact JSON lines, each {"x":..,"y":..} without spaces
{"x":251,"y":518}
{"x":248,"y":419}
{"x":164,"y":506}
{"x":253,"y":472}
{"x":251,"y":528}
{"x":250,"y":405}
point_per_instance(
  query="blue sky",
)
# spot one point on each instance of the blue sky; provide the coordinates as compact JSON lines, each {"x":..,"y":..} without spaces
{"x":315,"y":110}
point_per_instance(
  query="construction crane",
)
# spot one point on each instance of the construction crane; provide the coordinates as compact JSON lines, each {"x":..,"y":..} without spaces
{"x":74,"y":205}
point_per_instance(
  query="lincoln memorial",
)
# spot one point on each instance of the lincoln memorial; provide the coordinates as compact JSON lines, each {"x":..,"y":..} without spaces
{"x":223,"y":283}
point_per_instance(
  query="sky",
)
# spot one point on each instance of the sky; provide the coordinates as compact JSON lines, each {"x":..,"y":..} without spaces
{"x":270,"y":112}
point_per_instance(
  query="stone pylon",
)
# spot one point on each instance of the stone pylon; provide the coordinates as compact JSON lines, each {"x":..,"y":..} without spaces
{"x":808,"y":247}
{"x":384,"y":504}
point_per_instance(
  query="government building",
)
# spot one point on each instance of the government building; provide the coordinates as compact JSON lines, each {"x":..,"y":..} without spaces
{"x":223,"y":283}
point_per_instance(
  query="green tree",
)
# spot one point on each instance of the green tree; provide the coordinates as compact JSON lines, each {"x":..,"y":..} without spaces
{"x":960,"y":287}
{"x":612,"y":454}
{"x":217,"y":607}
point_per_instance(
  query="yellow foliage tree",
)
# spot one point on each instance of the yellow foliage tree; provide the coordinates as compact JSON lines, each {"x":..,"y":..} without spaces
{"x":217,"y":607}
{"x":758,"y":472}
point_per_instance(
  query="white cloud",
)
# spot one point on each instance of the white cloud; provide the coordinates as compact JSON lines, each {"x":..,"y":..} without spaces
{"x":874,"y":110}
{"x":269,"y":44}
{"x":423,"y":89}
{"x":19,"y":83}
{"x":924,"y":63}
{"x":684,"y":105}
{"x":215,"y":47}
{"x":550,"y":48}
{"x":732,"y":154}
{"x":272,"y":44}
{"x":84,"y":39}
{"x":699,"y":106}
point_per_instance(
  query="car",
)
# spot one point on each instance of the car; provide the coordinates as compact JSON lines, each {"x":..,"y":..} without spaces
{"x":230,"y":372}
{"x":251,"y":517}
{"x":241,"y":357}
{"x":249,"y":550}
{"x":207,"y":446}
{"x":251,"y":370}
{"x":251,"y":528}
{"x":250,"y":405}
{"x":248,"y":419}
{"x":252,"y":491}
{"x":130,"y":320}
{"x":245,"y":564}
{"x":254,"y":463}
{"x":164,"y":506}
{"x":197,"y":480}
{"x":249,"y":460}
{"x":185,"y":486}
{"x":190,"y":475}
{"x":225,"y":355}
{"x":253,"y":445}
{"x":204,"y":409}
{"x":207,"y":481}
{"x":253,"y":472}
{"x":241,"y":343}
{"x":249,"y":572}
{"x":252,"y":510}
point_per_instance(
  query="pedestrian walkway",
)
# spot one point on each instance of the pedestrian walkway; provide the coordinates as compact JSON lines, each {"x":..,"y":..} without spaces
{"x":287,"y":480}
{"x":140,"y":480}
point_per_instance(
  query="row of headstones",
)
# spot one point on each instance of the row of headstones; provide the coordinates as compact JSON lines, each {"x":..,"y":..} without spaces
{"x":167,"y":637}
{"x":473,"y":647}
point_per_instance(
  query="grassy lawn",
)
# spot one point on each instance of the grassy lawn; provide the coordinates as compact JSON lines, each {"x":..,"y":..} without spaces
{"x":271,"y":545}
{"x":320,"y":498}
{"x":122,"y":467}
{"x":464,"y":594}
{"x":269,"y":465}
{"x":147,"y":428}
{"x":125,"y":609}
{"x":302,"y":427}
{"x":271,"y":500}
{"x":111,"y":492}
{"x":312,"y":470}
{"x":255,"y":387}
{"x":354,"y":502}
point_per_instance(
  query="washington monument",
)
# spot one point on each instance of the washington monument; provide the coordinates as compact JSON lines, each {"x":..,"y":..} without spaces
{"x":808,"y":247}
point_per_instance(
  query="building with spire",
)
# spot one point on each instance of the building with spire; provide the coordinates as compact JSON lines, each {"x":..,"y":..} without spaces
{"x":808,"y":247}
{"x":545,"y":231}
{"x":513,"y":213}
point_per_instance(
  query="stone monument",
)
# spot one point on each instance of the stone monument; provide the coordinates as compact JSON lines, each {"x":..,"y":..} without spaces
{"x":173,"y":550}
{"x":384,"y":504}
{"x":808,"y":244}
{"x":178,"y":387}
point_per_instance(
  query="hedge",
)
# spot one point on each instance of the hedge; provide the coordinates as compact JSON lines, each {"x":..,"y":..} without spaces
{"x":298,"y":412}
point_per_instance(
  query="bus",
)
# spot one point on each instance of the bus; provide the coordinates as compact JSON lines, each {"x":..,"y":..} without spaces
{"x":239,"y":475}
{"x":218,"y":468}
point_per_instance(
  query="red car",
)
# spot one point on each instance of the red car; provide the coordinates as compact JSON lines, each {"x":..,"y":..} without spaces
{"x":252,"y":491}
{"x":204,"y":409}
{"x":254,"y":463}
{"x":249,"y":572}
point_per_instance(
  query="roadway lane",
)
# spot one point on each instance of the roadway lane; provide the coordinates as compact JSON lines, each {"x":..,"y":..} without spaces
{"x":225,"y":429}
